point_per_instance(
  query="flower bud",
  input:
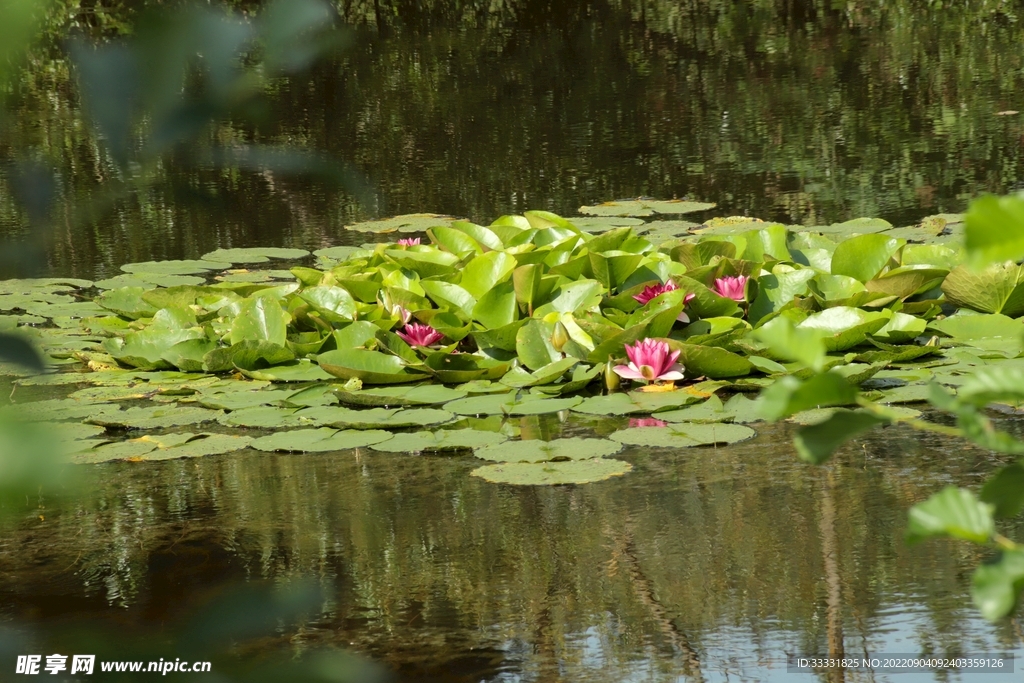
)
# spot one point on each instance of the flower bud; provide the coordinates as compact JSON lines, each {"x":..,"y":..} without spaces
{"x":611,"y":379}
{"x":559,"y":337}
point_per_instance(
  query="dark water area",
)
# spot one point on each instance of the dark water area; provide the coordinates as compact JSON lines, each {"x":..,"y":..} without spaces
{"x":705,"y":564}
{"x":702,"y":564}
{"x":791,"y":111}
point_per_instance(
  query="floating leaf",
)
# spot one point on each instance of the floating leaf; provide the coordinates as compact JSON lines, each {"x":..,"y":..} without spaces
{"x":176,"y":267}
{"x":552,"y":473}
{"x":156,"y":417}
{"x":412,"y":222}
{"x":254,"y":255}
{"x":320,"y":440}
{"x":645,"y":207}
{"x":575,"y":448}
{"x":542,"y":406}
{"x":683,"y":435}
{"x":371,"y":367}
{"x":441,"y":440}
{"x":373,"y":417}
{"x":492,"y":404}
{"x":298,"y":371}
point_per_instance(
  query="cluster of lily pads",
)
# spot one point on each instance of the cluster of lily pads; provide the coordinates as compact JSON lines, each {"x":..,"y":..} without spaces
{"x":436,"y":342}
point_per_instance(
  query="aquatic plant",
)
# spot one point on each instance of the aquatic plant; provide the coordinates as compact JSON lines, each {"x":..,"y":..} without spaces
{"x":732,"y":287}
{"x":651,"y":291}
{"x":649,"y":361}
{"x":416,"y":334}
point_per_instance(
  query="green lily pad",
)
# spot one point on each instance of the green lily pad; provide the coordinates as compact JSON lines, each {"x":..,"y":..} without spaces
{"x":543,"y":406}
{"x":55,"y":409}
{"x":268,"y":417}
{"x":645,"y":207}
{"x":147,"y":280}
{"x":164,"y":447}
{"x":175,"y":267}
{"x":374,"y":417}
{"x":683,"y":435}
{"x":155,"y":417}
{"x":412,"y":222}
{"x":371,"y":367}
{"x":236,"y":400}
{"x":612,"y":404}
{"x":320,"y":440}
{"x":441,"y":440}
{"x":603,"y":223}
{"x":552,"y":473}
{"x":424,"y":394}
{"x":844,"y":327}
{"x":574,"y":448}
{"x":301,"y":370}
{"x":254,"y":255}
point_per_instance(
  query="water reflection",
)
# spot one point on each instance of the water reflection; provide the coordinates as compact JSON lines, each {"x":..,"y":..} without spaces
{"x":793,"y":111}
{"x":702,"y":564}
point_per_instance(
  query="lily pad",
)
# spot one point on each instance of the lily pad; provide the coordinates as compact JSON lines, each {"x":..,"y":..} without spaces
{"x":424,"y":394}
{"x":441,"y":440}
{"x":267,"y":417}
{"x":412,"y":222}
{"x":645,"y":207}
{"x":175,"y":267}
{"x":543,"y":406}
{"x":320,"y":440}
{"x":574,"y":448}
{"x":301,"y":370}
{"x":156,"y":417}
{"x":683,"y":435}
{"x":374,"y":417}
{"x":552,"y":473}
{"x":490,"y":404}
{"x":254,"y":255}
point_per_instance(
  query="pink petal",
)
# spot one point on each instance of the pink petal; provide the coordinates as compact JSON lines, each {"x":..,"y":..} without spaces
{"x":627,"y":372}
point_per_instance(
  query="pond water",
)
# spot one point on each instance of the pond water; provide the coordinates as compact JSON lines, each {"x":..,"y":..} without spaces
{"x":701,"y":564}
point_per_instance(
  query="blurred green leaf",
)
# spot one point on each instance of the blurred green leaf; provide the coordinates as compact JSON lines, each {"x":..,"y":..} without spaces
{"x":954,"y":513}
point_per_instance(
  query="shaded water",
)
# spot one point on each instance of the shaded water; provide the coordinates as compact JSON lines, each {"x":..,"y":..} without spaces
{"x":792,"y":110}
{"x":701,"y":564}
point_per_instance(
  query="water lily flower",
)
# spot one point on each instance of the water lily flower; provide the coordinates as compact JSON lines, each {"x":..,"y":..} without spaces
{"x":732,"y":287}
{"x":650,"y":360}
{"x":402,"y":314}
{"x":409,"y":242}
{"x":647,"y":422}
{"x":420,"y":335}
{"x":651,"y":291}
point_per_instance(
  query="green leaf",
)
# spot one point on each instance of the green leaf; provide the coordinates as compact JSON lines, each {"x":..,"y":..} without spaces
{"x":999,"y":288}
{"x":492,"y":404}
{"x":1005,"y":491}
{"x":441,"y":440}
{"x":906,"y":281}
{"x":994,"y":229}
{"x":683,"y":435}
{"x":447,"y":295}
{"x":552,"y":473}
{"x":792,"y":342}
{"x":254,"y":255}
{"x":371,"y":367}
{"x":411,"y":222}
{"x":542,"y":406}
{"x":464,"y":367}
{"x":816,"y":443}
{"x":612,"y":268}
{"x":574,"y":448}
{"x":790,"y":395}
{"x":155,"y":417}
{"x":533,"y":344}
{"x":424,"y":394}
{"x":485,"y":271}
{"x":497,"y":307}
{"x":455,"y":241}
{"x":612,"y":404}
{"x":246,"y":355}
{"x":954,"y":513}
{"x":127,"y":301}
{"x":260,"y":318}
{"x":320,"y":440}
{"x":863,"y":257}
{"x":645,"y":207}
{"x":843,"y":327}
{"x":335,"y":304}
{"x":710,"y":361}
{"x":996,"y":587}
{"x":298,"y":371}
{"x":573,"y":297}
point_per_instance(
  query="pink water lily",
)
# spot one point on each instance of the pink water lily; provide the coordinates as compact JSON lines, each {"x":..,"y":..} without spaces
{"x":650,"y":360}
{"x":647,"y":422}
{"x":416,"y":334}
{"x":409,"y":242}
{"x":732,"y":287}
{"x":402,"y":314}
{"x":651,"y":291}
